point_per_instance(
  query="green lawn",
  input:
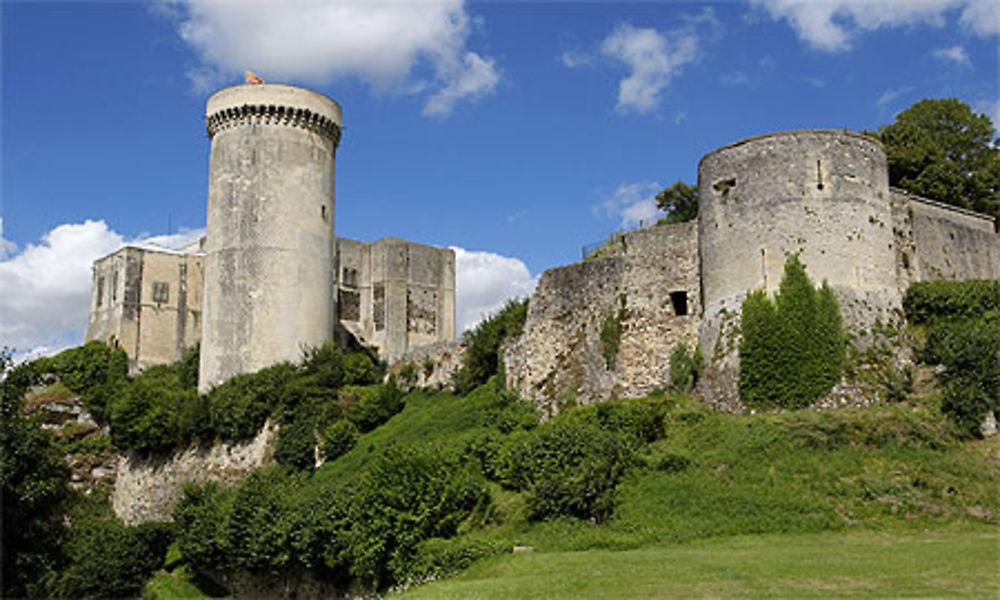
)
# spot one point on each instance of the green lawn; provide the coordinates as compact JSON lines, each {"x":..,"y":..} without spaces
{"x":960,"y":560}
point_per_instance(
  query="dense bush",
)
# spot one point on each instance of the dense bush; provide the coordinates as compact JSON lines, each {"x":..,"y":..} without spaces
{"x":339,"y":438}
{"x":372,"y":405}
{"x":482,"y":345}
{"x":200,"y":516}
{"x":95,"y":371}
{"x":568,"y":467}
{"x":151,"y":414}
{"x":640,"y":418}
{"x":792,"y":349}
{"x":239,"y":406}
{"x":962,"y":321}
{"x":405,"y":497}
{"x":929,"y":300}
{"x":685,"y":368}
{"x":34,"y":480}
{"x":969,"y":350}
{"x":369,"y":530}
{"x":110,"y":559}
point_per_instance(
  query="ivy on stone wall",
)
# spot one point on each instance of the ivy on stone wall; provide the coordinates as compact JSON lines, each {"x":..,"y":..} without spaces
{"x":793,"y":347}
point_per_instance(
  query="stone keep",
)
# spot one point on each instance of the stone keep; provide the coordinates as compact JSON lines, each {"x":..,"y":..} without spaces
{"x":269,"y":272}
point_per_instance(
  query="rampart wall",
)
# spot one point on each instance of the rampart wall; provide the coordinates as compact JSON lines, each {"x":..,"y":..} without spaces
{"x":560,"y":357}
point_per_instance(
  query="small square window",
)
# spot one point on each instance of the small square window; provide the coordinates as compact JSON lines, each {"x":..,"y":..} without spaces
{"x":161,"y":292}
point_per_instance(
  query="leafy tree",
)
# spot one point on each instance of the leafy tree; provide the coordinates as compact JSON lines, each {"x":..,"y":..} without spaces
{"x":35,"y":487}
{"x":942,"y":150}
{"x":111,"y":560}
{"x":792,"y":349}
{"x":685,"y":368}
{"x":482,"y":345}
{"x":679,"y":201}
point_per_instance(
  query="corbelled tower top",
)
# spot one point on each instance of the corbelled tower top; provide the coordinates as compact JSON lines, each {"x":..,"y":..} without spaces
{"x":273,"y":103}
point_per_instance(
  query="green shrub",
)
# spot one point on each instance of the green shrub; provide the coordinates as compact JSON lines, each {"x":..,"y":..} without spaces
{"x":642,"y":418}
{"x":375,"y":404}
{"x":239,"y":407}
{"x":792,"y":349}
{"x":611,"y":335}
{"x":35,"y":487}
{"x":685,"y":368}
{"x":257,"y":528}
{"x":568,"y":467}
{"x":969,"y":350}
{"x":439,"y":557}
{"x":200,"y":516}
{"x":359,"y":369}
{"x":95,"y":371}
{"x":339,"y":438}
{"x":147,"y":417}
{"x":929,"y":300}
{"x":405,"y":497}
{"x":111,"y":560}
{"x":482,"y":345}
{"x":296,"y":443}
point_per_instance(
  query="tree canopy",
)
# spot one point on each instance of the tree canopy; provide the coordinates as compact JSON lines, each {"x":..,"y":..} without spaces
{"x":679,"y":201}
{"x":942,"y":150}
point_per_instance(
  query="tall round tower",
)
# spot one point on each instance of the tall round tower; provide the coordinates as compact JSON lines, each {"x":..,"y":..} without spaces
{"x":269,"y":273}
{"x":821,"y":194}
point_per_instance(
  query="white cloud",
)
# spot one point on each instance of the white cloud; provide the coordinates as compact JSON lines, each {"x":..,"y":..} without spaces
{"x":734,"y":78}
{"x":955,"y":54}
{"x":890,"y":95}
{"x":816,"y":82}
{"x":653,"y":60}
{"x":47,"y":286}
{"x":830,"y":25}
{"x":46,"y":297}
{"x":573,"y":59}
{"x":475,"y":78}
{"x":484,"y":281}
{"x":633,"y":203}
{"x":386,"y":44}
{"x":982,"y":17}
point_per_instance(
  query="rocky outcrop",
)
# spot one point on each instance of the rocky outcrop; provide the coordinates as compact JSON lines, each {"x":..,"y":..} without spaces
{"x":148,"y":488}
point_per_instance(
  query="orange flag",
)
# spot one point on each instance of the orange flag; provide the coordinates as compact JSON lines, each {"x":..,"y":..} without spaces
{"x":251,"y":78}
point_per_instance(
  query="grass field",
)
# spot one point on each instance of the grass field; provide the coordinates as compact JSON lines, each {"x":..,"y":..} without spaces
{"x":954,"y":561}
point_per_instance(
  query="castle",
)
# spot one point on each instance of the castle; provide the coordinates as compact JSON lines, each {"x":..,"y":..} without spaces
{"x":821,"y":194}
{"x":270,"y":277}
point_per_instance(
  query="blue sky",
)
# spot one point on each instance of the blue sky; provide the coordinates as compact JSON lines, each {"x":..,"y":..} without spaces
{"x":514,"y":131}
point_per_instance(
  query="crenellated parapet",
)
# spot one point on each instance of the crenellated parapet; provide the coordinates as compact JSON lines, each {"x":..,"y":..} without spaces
{"x":260,"y":114}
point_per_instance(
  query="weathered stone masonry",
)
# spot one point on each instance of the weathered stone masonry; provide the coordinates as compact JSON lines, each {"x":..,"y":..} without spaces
{"x":821,"y":194}
{"x":275,"y":279}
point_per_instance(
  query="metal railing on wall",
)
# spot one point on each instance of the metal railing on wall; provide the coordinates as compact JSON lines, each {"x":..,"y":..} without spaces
{"x":616,"y":237}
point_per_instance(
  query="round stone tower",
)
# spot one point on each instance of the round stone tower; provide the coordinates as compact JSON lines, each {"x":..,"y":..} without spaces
{"x":822,"y":194}
{"x":269,"y":273}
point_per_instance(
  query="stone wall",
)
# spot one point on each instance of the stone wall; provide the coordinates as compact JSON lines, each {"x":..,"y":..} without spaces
{"x":642,"y":285}
{"x":432,"y":366}
{"x":147,"y":301}
{"x":939,"y":241}
{"x":396,"y":295}
{"x":147,"y":489}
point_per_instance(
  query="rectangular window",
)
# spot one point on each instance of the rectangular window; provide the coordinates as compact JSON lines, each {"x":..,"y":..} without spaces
{"x":679,"y":300}
{"x":161,"y":292}
{"x":100,"y":291}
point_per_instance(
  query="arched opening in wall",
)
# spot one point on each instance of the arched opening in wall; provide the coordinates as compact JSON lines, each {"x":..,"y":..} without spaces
{"x":679,"y":300}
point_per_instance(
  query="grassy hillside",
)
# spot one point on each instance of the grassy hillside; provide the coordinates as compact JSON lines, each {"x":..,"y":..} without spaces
{"x":877,"y":501}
